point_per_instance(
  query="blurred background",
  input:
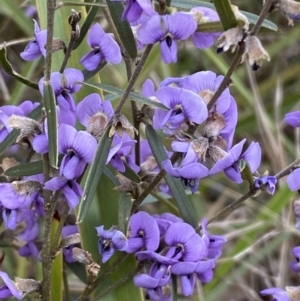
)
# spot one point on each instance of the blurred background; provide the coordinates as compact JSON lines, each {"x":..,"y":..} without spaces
{"x":261,"y":233}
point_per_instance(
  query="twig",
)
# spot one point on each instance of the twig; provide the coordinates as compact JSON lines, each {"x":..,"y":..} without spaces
{"x":62,"y":4}
{"x":133,"y":78}
{"x":92,"y":286}
{"x":16,"y":42}
{"x":287,"y":170}
{"x":49,"y":206}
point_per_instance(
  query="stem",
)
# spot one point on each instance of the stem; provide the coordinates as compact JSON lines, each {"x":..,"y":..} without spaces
{"x":155,"y":181}
{"x":62,"y":221}
{"x":92,"y":286}
{"x":226,"y":79}
{"x":267,"y":8}
{"x":287,"y":170}
{"x":133,"y":78}
{"x":70,"y":3}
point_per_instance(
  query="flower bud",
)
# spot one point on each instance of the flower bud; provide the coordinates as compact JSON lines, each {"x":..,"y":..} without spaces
{"x":29,"y":127}
{"x":293,"y":292}
{"x":128,"y":186}
{"x":255,"y":52}
{"x":121,"y":124}
{"x":27,"y":286}
{"x":70,"y":240}
{"x":240,"y":17}
{"x":291,"y":9}
{"x":74,"y":19}
{"x":230,"y":38}
{"x":214,"y":124}
{"x":200,"y":147}
{"x":26,"y":187}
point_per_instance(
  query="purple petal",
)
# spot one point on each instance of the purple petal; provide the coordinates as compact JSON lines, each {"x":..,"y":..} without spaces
{"x":40,"y":144}
{"x":10,"y":285}
{"x":229,"y":159}
{"x":66,"y":136}
{"x":151,"y":255}
{"x":91,"y":60}
{"x":71,"y":76}
{"x":293,"y":180}
{"x":84,"y":145}
{"x":71,"y":197}
{"x":253,"y":156}
{"x":148,"y":88}
{"x":110,"y":50}
{"x":95,"y":35}
{"x":41,"y":39}
{"x":293,"y":118}
{"x":31,"y":51}
{"x":187,"y":284}
{"x":168,"y":167}
{"x":178,"y":233}
{"x":168,"y":50}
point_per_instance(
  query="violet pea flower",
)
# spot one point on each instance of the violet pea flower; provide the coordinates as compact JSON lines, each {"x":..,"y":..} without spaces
{"x":277,"y":293}
{"x":166,"y":30}
{"x":295,"y":265}
{"x":293,"y":119}
{"x":110,"y":241}
{"x":78,"y":149}
{"x":105,"y":48}
{"x":8,"y":289}
{"x":293,"y":180}
{"x":34,"y":49}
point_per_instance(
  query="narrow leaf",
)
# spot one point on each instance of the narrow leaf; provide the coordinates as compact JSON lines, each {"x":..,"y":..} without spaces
{"x":88,"y":21}
{"x":94,"y":175}
{"x":7,"y":67}
{"x":125,"y":205}
{"x":184,"y":205}
{"x":14,"y":134}
{"x":123,"y":28}
{"x":210,"y":27}
{"x":50,"y":106}
{"x":225,"y":13}
{"x":78,"y":269}
{"x":89,"y":74}
{"x":25,"y":169}
{"x":132,"y":95}
{"x":189,"y":4}
{"x":131,"y":174}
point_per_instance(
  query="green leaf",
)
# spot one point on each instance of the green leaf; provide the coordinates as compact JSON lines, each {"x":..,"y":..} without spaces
{"x":210,"y":27}
{"x":184,"y":205}
{"x":88,"y":22}
{"x":125,"y":205}
{"x":50,"y":107}
{"x":132,"y":95}
{"x":14,"y":134}
{"x":123,"y":28}
{"x":89,"y":74}
{"x":131,"y":174}
{"x":5,"y":64}
{"x":94,"y":175}
{"x":78,"y":269}
{"x":189,"y":4}
{"x":225,"y":13}
{"x":25,"y":169}
{"x":57,"y":269}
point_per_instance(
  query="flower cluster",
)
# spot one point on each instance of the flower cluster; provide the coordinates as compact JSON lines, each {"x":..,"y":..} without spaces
{"x":173,"y":247}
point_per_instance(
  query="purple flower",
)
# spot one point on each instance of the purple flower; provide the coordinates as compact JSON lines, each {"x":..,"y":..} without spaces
{"x":184,"y":105}
{"x":9,"y":218}
{"x":143,"y":232}
{"x":121,"y":147}
{"x":293,"y":118}
{"x":277,"y":293}
{"x":214,"y":243}
{"x":186,"y":272}
{"x":295,"y":265}
{"x":31,"y":230}
{"x":190,"y":171}
{"x":205,"y":40}
{"x":70,"y":188}
{"x":165,"y":220}
{"x":185,"y":243}
{"x":229,"y":162}
{"x":135,"y":8}
{"x":105,"y":48}
{"x":35,"y":48}
{"x":205,"y":84}
{"x":14,"y":198}
{"x":293,"y":180}
{"x":94,"y":114}
{"x":267,"y":182}
{"x":110,"y":241}
{"x":64,"y":84}
{"x":78,"y":148}
{"x":8,"y":289}
{"x":68,"y":251}
{"x":166,"y":30}
{"x":31,"y":248}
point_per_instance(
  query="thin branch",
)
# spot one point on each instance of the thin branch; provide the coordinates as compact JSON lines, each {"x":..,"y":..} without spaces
{"x":133,"y":78}
{"x":70,"y":3}
{"x":16,"y":42}
{"x":287,"y":170}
